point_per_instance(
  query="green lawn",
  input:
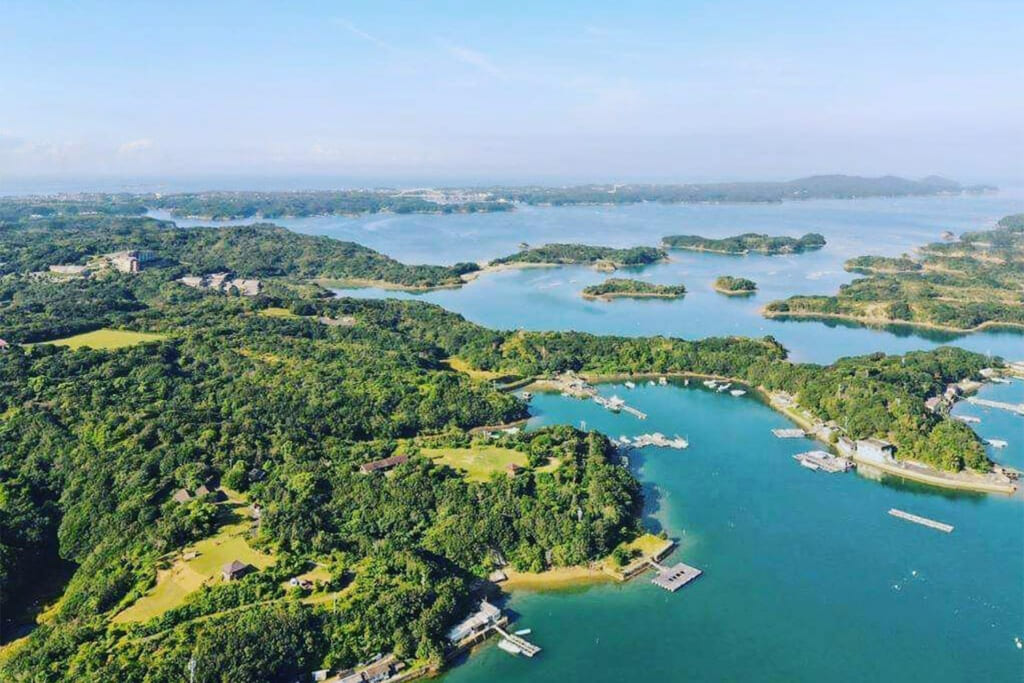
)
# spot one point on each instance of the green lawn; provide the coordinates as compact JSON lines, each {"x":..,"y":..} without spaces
{"x":479,"y":463}
{"x":106,"y":338}
{"x":276,"y":312}
{"x":174,"y":585}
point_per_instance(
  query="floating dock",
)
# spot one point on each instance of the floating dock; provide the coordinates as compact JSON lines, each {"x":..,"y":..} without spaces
{"x":524,"y":646}
{"x":675,"y":577}
{"x":820,"y":460}
{"x":789,"y":433}
{"x":923,"y":521}
{"x":1002,"y":405}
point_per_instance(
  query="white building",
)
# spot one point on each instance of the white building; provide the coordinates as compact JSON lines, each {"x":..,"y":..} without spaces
{"x":487,"y":616}
{"x":875,"y":450}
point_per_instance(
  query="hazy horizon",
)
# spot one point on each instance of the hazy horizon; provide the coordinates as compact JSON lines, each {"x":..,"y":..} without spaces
{"x":452,"y":93}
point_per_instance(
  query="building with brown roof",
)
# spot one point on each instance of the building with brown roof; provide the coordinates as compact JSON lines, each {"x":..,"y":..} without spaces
{"x":234,"y":570}
{"x":383,"y":465}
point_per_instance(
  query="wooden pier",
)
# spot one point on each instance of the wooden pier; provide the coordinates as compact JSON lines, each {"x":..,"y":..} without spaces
{"x":527,"y":648}
{"x":675,"y":577}
{"x":820,"y":460}
{"x":789,"y":433}
{"x":923,"y":521}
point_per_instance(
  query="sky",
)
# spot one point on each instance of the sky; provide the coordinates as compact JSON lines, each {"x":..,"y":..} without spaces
{"x":475,"y":92}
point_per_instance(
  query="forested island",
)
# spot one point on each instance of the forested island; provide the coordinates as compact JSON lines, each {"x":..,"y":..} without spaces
{"x":607,"y":258}
{"x":309,"y":439}
{"x":746,"y":243}
{"x":624,"y":287}
{"x":727,"y":284}
{"x":965,"y":285}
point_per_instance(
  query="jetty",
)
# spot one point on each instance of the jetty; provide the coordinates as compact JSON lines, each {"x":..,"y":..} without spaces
{"x":789,"y":433}
{"x":923,"y":521}
{"x":820,"y":460}
{"x":675,"y":577}
{"x":616,"y":404}
{"x":967,"y":419}
{"x":1002,"y":405}
{"x":522,"y":644}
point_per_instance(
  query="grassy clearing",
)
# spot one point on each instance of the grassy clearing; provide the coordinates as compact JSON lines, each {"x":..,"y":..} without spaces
{"x":640,"y":549}
{"x":459,"y":365}
{"x":174,"y":585}
{"x":277,"y":312}
{"x":479,"y":463}
{"x":107,"y":338}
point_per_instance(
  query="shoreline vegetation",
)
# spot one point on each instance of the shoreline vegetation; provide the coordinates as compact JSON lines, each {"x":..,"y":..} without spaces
{"x":734,"y":286}
{"x":613,"y":288}
{"x":963,"y":286}
{"x":746,"y":243}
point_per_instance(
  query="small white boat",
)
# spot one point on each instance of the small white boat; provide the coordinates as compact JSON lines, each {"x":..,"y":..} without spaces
{"x":509,"y":647}
{"x":662,"y":381}
{"x":686,"y":382}
{"x":724,"y":386}
{"x":710,"y":383}
{"x":999,"y":380}
{"x":996,"y":443}
{"x":630,"y":385}
{"x":650,"y":382}
{"x":808,"y":464}
{"x":524,"y":632}
{"x":527,"y":395}
{"x":737,"y":392}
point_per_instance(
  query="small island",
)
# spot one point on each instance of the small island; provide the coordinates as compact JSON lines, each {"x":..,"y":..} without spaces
{"x":746,"y":243}
{"x":618,"y":287}
{"x":602,"y":258}
{"x":734,"y":286}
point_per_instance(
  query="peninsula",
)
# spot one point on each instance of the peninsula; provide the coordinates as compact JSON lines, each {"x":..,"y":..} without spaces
{"x":734,"y":286}
{"x":746,"y":243}
{"x":967,"y":285}
{"x":623,"y":287}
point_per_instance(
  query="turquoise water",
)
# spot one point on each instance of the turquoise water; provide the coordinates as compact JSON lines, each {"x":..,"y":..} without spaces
{"x":807,"y":578}
{"x":806,"y":575}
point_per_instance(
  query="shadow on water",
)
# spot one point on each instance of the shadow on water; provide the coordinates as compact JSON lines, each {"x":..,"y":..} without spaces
{"x":896,"y":329}
{"x":891,"y":481}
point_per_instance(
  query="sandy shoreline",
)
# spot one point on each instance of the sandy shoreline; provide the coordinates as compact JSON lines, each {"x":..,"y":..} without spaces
{"x":553,"y":579}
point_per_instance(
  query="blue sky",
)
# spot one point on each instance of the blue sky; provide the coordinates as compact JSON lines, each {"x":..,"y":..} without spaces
{"x":524,"y":91}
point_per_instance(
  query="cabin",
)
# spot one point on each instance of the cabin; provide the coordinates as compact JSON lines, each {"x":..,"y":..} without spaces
{"x":875,"y":450}
{"x":181,"y":496}
{"x":383,"y":465}
{"x":933,"y":404}
{"x":234,"y":570}
{"x":378,"y":669}
{"x":202,"y":491}
{"x":513,"y":469}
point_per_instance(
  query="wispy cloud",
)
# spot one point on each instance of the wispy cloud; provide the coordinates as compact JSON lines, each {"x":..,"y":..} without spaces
{"x":473,"y":58}
{"x":358,"y":32}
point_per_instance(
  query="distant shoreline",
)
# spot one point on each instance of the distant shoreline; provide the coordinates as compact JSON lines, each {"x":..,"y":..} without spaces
{"x":886,"y":322}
